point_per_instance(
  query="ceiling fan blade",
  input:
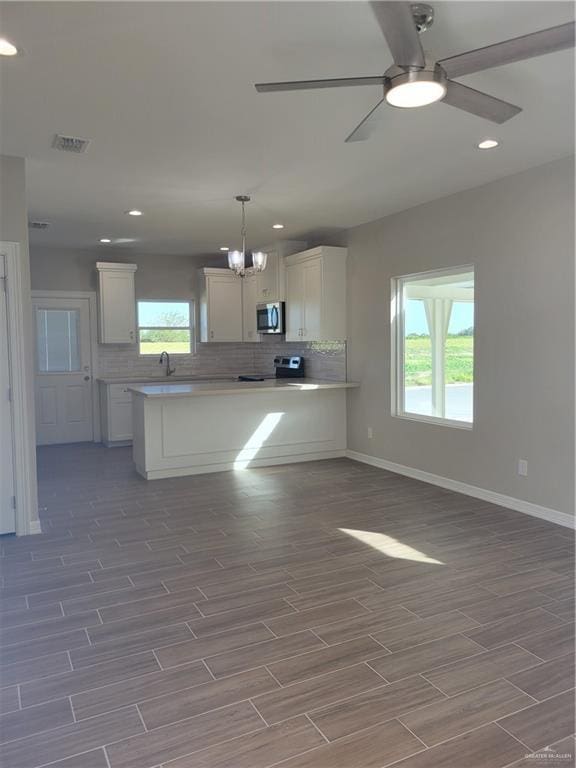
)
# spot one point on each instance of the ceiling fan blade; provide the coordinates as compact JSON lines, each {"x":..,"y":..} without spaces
{"x":304,"y":85}
{"x":478,"y":103}
{"x":517,"y":49}
{"x":366,"y":127}
{"x":399,"y":29}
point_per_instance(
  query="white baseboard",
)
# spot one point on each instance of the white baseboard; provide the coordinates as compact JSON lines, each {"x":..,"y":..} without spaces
{"x":35,"y":526}
{"x":519,"y":505}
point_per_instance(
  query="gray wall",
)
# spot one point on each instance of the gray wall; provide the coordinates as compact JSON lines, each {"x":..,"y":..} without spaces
{"x":170,"y":277}
{"x":519,"y":234}
{"x":14,"y":228}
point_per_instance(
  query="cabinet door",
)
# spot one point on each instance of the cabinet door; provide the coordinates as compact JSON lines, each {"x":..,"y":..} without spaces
{"x":117,"y":308}
{"x":312,"y":299}
{"x":224,"y":308}
{"x":294,"y":302}
{"x":268,"y":282}
{"x":249,"y":291}
{"x":120,"y":427}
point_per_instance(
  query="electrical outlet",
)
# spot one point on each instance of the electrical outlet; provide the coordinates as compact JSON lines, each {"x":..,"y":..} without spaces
{"x":523,"y":467}
{"x":370,"y":433}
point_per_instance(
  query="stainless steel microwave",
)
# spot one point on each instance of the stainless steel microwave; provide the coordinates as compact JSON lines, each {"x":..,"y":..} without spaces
{"x":270,"y":317}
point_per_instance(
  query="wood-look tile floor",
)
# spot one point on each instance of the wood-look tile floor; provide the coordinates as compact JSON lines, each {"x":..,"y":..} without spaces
{"x":319,"y":615}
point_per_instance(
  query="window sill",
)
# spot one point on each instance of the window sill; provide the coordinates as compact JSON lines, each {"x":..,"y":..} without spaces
{"x":435,"y":420}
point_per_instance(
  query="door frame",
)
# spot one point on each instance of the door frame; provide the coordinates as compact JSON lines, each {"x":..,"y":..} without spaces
{"x":24,"y":426}
{"x":93,"y":333}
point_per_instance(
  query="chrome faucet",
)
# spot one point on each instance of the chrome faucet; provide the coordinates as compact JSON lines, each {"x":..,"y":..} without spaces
{"x":169,"y":371}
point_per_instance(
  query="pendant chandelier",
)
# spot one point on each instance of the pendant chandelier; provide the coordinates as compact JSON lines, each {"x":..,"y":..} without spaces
{"x":237,"y":259}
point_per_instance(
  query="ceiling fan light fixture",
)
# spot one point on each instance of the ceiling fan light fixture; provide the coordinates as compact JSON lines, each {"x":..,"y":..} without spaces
{"x":416,"y":88}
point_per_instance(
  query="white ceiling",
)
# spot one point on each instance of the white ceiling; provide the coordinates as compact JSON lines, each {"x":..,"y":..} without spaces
{"x":165,"y":93}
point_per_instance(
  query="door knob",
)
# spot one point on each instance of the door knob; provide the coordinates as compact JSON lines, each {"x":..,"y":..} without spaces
{"x":86,"y":378}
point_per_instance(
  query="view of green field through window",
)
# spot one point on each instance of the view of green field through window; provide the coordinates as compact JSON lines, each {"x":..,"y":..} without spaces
{"x":438,"y":345}
{"x":164,"y":326}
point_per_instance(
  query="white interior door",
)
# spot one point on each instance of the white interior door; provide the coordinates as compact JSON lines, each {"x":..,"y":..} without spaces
{"x":7,"y":507}
{"x":63,"y":379}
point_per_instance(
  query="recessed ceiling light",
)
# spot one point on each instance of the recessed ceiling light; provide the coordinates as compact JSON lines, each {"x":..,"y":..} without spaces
{"x":134,"y":212}
{"x":488,"y":144}
{"x":224,"y":248}
{"x":277,"y":226}
{"x":7,"y":48}
{"x":105,"y":240}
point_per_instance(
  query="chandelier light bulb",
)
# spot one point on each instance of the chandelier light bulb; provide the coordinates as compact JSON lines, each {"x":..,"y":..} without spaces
{"x":236,"y":260}
{"x":259,"y":260}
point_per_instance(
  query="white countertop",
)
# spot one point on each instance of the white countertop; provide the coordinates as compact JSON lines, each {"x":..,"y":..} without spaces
{"x":238,"y":387}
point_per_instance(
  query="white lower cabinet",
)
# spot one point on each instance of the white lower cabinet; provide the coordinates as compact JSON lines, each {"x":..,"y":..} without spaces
{"x":116,"y":413}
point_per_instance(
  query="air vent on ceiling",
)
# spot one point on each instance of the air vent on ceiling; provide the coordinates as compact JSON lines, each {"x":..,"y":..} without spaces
{"x":38,"y":224}
{"x":70,"y":144}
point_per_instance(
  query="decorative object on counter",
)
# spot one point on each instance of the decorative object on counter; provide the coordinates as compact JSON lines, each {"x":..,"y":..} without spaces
{"x":237,"y":259}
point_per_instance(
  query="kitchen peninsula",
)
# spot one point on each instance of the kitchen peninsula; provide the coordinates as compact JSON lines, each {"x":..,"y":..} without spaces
{"x":187,"y":429}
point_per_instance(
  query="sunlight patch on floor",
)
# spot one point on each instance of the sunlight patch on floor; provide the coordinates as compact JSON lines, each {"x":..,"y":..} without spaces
{"x":390,"y":546}
{"x":257,"y":440}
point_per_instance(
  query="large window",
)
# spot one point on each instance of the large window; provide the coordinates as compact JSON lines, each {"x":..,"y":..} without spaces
{"x":433,"y":346}
{"x":165,"y":326}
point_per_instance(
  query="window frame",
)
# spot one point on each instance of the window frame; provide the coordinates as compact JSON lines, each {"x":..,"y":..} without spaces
{"x":397,"y":358}
{"x":191,"y":327}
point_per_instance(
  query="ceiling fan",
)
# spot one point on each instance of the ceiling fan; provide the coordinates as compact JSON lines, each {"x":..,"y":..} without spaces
{"x":415,"y":79}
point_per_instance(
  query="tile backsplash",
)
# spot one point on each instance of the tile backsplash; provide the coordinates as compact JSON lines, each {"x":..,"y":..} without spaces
{"x":324,"y":360}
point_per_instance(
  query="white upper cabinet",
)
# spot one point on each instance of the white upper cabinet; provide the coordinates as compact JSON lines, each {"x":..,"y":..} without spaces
{"x":270,"y":284}
{"x":220,"y":300}
{"x":117,"y":303}
{"x":249,"y":301}
{"x":316,"y":295}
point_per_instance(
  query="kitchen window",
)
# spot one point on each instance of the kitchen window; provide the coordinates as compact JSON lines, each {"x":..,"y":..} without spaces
{"x":433,"y":346}
{"x":165,"y":326}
